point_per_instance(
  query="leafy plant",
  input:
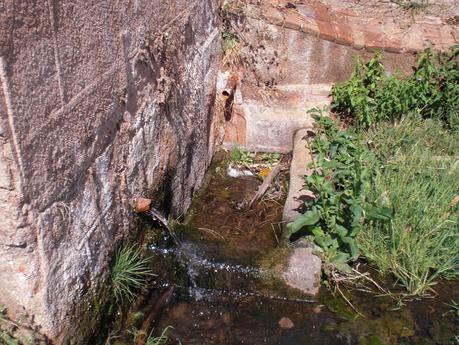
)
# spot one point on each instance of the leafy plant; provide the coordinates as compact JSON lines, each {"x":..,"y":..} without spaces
{"x":432,"y":91}
{"x":129,"y":273}
{"x":271,"y":158}
{"x":342,"y":172}
{"x":241,"y":156}
{"x":7,"y":339}
{"x":411,"y":5}
{"x":230,"y":41}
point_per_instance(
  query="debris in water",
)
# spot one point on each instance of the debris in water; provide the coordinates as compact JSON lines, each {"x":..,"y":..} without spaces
{"x":155,"y":308}
{"x":234,"y":172}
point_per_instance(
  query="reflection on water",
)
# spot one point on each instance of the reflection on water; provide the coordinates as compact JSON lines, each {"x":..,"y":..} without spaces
{"x":223,"y":297}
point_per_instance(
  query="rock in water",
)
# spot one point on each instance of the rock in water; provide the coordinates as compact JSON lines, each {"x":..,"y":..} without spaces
{"x":286,"y":323}
{"x":303,"y":269}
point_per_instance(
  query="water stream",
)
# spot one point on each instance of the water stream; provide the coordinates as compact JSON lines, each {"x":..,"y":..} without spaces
{"x":227,"y":291}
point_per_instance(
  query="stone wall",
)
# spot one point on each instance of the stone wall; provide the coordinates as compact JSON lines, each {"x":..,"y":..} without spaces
{"x":292,"y":52}
{"x":100,"y":102}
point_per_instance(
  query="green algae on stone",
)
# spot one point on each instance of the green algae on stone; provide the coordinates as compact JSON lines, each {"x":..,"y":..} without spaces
{"x":387,"y":329}
{"x":339,"y":307}
{"x":371,"y":340}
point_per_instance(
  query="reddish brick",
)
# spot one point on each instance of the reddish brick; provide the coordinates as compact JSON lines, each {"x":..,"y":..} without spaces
{"x":374,"y":34}
{"x":412,"y":40}
{"x":393,"y":37}
{"x":358,"y":39}
{"x":310,"y":26}
{"x":393,"y":43}
{"x":343,"y":34}
{"x":431,"y":31}
{"x":322,"y":12}
{"x":293,"y":20}
{"x":374,"y":39}
{"x":326,"y":30}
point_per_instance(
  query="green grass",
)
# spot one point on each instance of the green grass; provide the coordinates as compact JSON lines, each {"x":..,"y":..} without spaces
{"x":129,"y":273}
{"x":6,"y":339}
{"x":418,"y":179}
{"x":161,"y":340}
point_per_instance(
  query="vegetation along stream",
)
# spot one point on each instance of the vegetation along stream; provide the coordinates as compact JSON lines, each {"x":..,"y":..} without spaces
{"x":220,"y":289}
{"x":382,"y":215}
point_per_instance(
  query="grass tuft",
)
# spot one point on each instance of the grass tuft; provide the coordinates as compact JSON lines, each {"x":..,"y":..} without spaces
{"x":129,"y":273}
{"x":161,"y":340}
{"x":418,"y":179}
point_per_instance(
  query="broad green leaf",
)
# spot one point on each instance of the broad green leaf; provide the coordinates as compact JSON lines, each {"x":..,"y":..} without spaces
{"x":352,"y":244}
{"x":379,"y":213}
{"x":317,"y":231}
{"x":343,"y":267}
{"x":341,"y":230}
{"x":307,"y":219}
{"x":341,"y":257}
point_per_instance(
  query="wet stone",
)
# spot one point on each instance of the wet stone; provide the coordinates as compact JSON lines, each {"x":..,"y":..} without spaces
{"x":303,"y":269}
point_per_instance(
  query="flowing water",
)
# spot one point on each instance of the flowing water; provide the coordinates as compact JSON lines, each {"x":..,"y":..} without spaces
{"x":227,"y":291}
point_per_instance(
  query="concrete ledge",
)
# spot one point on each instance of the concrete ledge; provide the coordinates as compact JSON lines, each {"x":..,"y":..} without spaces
{"x":301,"y":159}
{"x":303,"y":267}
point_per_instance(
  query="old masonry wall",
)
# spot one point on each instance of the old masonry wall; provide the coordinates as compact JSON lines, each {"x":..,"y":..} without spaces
{"x":100,"y":102}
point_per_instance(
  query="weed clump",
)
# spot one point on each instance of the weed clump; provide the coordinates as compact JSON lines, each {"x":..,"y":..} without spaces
{"x":129,"y":273}
{"x":419,"y":181}
{"x":241,"y":156}
{"x":370,"y":95}
{"x":343,"y":169}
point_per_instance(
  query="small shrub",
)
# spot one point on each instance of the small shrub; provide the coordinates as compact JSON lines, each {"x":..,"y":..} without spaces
{"x":129,"y":273}
{"x":230,"y":41}
{"x":432,"y":91}
{"x":414,"y":6}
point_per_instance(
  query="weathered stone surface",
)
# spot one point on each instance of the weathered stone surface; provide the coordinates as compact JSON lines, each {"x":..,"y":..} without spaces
{"x":287,"y":72}
{"x":299,"y":168}
{"x":303,"y":269}
{"x":100,"y":102}
{"x":363,"y":24}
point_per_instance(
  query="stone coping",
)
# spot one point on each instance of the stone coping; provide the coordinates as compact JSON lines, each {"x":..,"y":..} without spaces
{"x":370,"y":26}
